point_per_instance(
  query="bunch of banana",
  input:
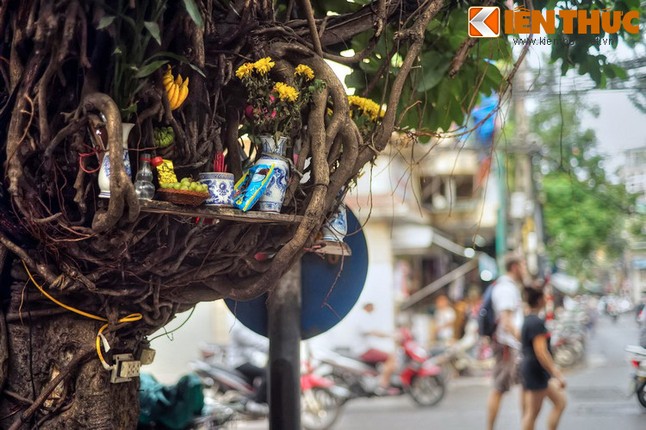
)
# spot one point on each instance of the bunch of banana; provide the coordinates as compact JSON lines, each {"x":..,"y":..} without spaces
{"x":163,"y":136}
{"x":176,"y":88}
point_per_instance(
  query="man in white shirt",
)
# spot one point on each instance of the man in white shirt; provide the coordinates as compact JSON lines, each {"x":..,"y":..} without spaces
{"x":368,"y":347}
{"x":508,"y":308}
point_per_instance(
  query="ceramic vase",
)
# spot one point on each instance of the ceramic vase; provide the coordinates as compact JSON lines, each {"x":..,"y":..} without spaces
{"x":273,"y":153}
{"x":105,"y":171}
{"x":220,"y":188}
{"x":336,"y":227}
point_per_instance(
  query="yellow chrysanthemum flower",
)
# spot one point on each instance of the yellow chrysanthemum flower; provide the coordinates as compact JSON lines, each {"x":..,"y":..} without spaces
{"x":286,"y":92}
{"x":366,"y":106}
{"x":244,"y":71}
{"x":264,"y":65}
{"x":305,"y":71}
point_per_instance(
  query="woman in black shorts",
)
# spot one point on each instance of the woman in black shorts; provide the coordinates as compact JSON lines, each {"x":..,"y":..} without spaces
{"x":540,"y":376}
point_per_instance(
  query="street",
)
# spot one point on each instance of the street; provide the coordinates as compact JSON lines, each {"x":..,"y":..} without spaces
{"x":597,"y":396}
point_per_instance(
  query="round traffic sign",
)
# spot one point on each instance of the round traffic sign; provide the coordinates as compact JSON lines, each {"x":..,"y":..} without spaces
{"x":330,"y":287}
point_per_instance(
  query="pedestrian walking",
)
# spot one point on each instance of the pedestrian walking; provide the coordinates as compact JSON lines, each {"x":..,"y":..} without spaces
{"x":508,"y":309}
{"x":444,"y":319}
{"x":539,"y":375}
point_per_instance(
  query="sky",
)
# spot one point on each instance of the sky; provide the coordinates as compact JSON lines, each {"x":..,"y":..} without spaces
{"x":620,"y":126}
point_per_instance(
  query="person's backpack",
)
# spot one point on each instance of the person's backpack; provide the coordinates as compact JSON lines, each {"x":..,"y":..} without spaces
{"x":487,"y":316}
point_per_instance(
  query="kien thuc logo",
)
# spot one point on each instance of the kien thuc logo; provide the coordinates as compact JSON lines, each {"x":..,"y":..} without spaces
{"x":484,"y":21}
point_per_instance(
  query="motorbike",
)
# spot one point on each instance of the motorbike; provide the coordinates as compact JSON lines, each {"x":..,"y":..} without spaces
{"x":321,"y":399}
{"x":468,"y":356}
{"x":638,"y":383}
{"x":568,"y":339}
{"x":418,"y":376}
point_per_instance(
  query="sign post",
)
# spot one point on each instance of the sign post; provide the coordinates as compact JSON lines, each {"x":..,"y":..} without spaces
{"x":284,"y":329}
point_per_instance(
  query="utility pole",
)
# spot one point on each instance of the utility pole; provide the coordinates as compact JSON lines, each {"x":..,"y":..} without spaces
{"x":527,"y":222}
{"x":284,"y":329}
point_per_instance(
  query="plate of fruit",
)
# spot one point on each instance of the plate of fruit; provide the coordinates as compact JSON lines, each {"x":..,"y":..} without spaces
{"x":185,"y":192}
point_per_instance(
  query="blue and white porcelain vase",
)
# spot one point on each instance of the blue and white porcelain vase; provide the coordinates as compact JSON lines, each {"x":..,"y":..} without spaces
{"x":220,"y":186}
{"x":105,"y":171}
{"x":336,"y":227}
{"x":273,"y":153}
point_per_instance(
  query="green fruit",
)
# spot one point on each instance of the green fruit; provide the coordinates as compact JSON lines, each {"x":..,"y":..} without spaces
{"x":176,"y":186}
{"x":163,"y":136}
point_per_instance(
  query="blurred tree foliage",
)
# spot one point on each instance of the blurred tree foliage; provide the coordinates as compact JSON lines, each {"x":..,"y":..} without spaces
{"x":584,"y":209}
{"x":438,"y":95}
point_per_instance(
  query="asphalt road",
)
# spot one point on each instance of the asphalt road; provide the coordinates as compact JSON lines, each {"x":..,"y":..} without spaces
{"x":597,"y":396}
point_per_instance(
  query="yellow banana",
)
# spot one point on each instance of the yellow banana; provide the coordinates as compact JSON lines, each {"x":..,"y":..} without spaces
{"x":167,"y":79}
{"x":177,"y":95}
{"x":168,"y":82}
{"x":168,"y":73}
{"x":172,"y":95}
{"x":176,"y":88}
{"x":178,"y":99}
{"x":169,"y":85}
{"x":183,"y":92}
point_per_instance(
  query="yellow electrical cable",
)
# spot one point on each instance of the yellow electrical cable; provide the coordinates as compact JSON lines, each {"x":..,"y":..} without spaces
{"x":61,"y":304}
{"x":129,"y":318}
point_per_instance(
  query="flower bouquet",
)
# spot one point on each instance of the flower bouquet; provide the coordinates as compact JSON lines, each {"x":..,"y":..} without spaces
{"x":274,"y":107}
{"x":274,"y":114}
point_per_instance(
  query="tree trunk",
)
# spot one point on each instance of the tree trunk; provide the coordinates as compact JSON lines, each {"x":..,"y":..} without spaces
{"x":44,"y":347}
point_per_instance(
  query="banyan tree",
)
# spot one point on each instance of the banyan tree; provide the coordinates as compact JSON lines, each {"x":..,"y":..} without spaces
{"x":74,"y":265}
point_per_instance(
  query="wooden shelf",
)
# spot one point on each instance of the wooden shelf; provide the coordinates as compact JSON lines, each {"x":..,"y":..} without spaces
{"x":159,"y":207}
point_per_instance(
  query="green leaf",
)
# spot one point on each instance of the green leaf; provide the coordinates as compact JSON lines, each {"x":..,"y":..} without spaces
{"x":149,"y":68}
{"x":595,"y":72}
{"x":180,"y":58}
{"x":194,"y":12}
{"x":153,"y":28}
{"x":105,"y":21}
{"x":197,"y":69}
{"x":493,"y":77}
{"x":620,"y":72}
{"x":434,"y":66}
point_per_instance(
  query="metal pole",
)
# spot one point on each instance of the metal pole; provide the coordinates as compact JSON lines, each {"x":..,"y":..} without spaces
{"x":501,"y":225}
{"x":284,"y":329}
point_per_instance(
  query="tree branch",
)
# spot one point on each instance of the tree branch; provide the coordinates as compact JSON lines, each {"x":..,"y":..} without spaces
{"x":122,"y":191}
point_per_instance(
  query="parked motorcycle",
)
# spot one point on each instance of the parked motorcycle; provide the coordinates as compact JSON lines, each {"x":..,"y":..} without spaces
{"x":470,"y":355}
{"x":568,"y":338}
{"x":321,"y":400}
{"x":638,"y":361}
{"x":418,"y":376}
